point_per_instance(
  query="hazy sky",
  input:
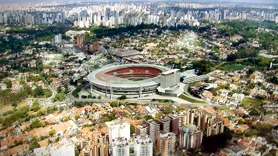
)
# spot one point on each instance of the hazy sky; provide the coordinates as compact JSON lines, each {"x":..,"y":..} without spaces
{"x":240,"y":1}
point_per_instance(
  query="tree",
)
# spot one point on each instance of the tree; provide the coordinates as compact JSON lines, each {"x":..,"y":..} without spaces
{"x":132,"y":129}
{"x":123,"y":97}
{"x":251,"y":133}
{"x":114,"y":104}
{"x":96,"y":65}
{"x":59,"y":97}
{"x":148,"y":117}
{"x":37,"y":92}
{"x":42,"y":112}
{"x":8,"y":83}
{"x":76,"y":117}
{"x":35,"y":106}
{"x":52,"y":132}
{"x":36,"y":123}
{"x":167,"y":110}
{"x":34,"y":143}
{"x":99,"y":97}
{"x":14,"y":104}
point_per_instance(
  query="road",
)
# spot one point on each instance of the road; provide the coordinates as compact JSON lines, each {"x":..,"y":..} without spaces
{"x":143,"y":101}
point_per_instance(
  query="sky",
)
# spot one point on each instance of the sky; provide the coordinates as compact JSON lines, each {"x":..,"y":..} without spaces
{"x":240,"y":1}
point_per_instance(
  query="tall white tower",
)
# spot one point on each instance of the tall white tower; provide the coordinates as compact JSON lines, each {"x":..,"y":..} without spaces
{"x":143,"y":145}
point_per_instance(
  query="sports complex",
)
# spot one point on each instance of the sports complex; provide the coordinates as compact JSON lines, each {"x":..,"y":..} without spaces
{"x":128,"y":79}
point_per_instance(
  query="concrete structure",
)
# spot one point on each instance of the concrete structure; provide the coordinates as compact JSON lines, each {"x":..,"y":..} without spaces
{"x":165,"y":143}
{"x":169,"y":82}
{"x":129,"y":79}
{"x":120,"y":146}
{"x":118,"y":128}
{"x":192,"y":79}
{"x":243,"y":15}
{"x":190,"y":136}
{"x":67,"y":149}
{"x":164,"y":124}
{"x":175,"y":123}
{"x":80,"y":39}
{"x":93,"y":47}
{"x":153,"y":128}
{"x":57,"y":40}
{"x":214,"y":127}
{"x":120,"y":53}
{"x":64,"y":147}
{"x":141,"y":129}
{"x":97,"y":146}
{"x":72,"y":33}
{"x":143,"y":145}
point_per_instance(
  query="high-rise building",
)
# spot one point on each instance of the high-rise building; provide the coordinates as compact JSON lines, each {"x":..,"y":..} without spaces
{"x":173,"y":14}
{"x":141,"y":129}
{"x":211,"y":125}
{"x":276,"y":18}
{"x":225,"y":12}
{"x":175,"y":123}
{"x":80,"y":40}
{"x":143,"y":145}
{"x":165,"y":143}
{"x":107,"y":12}
{"x":214,"y":127}
{"x":120,"y":146}
{"x":190,"y":136}
{"x":153,"y":128}
{"x":3,"y":18}
{"x":164,"y":124}
{"x":96,"y":145}
{"x":243,"y":15}
{"x":118,"y":128}
{"x":57,"y":40}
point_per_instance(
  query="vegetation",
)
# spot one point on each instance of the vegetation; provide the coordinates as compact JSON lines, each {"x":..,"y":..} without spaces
{"x":123,"y":97}
{"x":59,"y":97}
{"x":167,"y":110}
{"x":108,"y":117}
{"x":77,"y":90}
{"x":219,"y":141}
{"x":232,"y":67}
{"x":243,"y":53}
{"x":163,"y":100}
{"x":114,"y":104}
{"x":34,"y":143}
{"x":36,"y":123}
{"x":21,"y":114}
{"x":12,"y":44}
{"x":35,"y":106}
{"x":203,"y":66}
{"x":182,"y":96}
{"x":38,"y":92}
{"x":259,"y":130}
{"x":43,"y":33}
{"x":132,"y":129}
{"x":251,"y":102}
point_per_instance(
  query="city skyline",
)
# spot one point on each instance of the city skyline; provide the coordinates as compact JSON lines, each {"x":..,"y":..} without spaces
{"x":107,"y":1}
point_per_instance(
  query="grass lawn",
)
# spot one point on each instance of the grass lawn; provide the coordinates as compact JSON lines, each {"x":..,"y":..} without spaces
{"x":251,"y":102}
{"x":232,"y":67}
{"x":189,"y":99}
{"x":4,"y":108}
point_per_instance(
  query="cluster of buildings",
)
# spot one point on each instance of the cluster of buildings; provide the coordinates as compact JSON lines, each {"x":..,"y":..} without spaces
{"x":80,"y":129}
{"x":236,"y":89}
{"x":111,"y":15}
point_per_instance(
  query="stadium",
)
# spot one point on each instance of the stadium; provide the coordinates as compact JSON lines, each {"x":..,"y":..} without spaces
{"x":128,"y":79}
